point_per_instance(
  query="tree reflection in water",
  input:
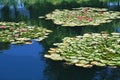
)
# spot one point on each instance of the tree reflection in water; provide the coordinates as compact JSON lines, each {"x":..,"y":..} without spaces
{"x":1,"y":7}
{"x":13,"y":11}
{"x":60,"y":71}
{"x":22,"y":10}
{"x":108,"y":74}
{"x":4,"y":46}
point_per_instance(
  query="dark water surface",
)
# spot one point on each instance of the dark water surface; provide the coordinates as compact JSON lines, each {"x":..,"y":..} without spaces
{"x":27,"y":62}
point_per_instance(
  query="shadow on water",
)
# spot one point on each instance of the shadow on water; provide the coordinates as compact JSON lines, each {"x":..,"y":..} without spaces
{"x":59,"y":71}
{"x":4,"y":46}
{"x":27,"y":62}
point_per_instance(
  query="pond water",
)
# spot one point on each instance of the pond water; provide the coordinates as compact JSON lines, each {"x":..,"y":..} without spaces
{"x":27,"y":62}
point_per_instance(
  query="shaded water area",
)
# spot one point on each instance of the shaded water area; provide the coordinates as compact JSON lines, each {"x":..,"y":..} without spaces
{"x":27,"y":62}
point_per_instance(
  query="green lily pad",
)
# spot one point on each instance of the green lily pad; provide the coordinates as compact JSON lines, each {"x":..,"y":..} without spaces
{"x":91,"y":49}
{"x":21,"y":33}
{"x":82,"y":16}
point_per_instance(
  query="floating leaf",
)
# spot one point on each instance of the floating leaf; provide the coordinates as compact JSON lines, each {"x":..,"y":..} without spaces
{"x":20,"y":33}
{"x":99,"y":49}
{"x":82,"y":16}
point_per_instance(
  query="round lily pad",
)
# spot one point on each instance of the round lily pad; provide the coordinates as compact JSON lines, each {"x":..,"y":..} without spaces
{"x":91,"y":49}
{"x":82,"y":16}
{"x":17,"y":33}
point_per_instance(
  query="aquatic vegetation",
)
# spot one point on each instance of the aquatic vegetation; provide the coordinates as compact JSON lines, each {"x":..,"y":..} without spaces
{"x":17,"y":33}
{"x":91,"y":49}
{"x":82,"y":16}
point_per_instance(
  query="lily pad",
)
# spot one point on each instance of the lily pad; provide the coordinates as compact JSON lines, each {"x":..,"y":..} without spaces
{"x":90,"y":49}
{"x":21,"y":33}
{"x":82,"y":16}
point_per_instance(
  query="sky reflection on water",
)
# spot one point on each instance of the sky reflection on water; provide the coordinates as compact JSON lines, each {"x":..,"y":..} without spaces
{"x":22,"y":62}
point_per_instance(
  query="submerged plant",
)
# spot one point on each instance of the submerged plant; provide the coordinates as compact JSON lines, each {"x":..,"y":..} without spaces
{"x":82,"y":16}
{"x":99,"y":49}
{"x":16,"y":33}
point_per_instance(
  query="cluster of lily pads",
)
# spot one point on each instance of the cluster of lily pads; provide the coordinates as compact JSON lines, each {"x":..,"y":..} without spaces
{"x":17,"y":33}
{"x":82,"y":16}
{"x":91,"y":49}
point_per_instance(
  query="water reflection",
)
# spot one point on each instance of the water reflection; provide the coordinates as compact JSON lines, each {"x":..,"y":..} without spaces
{"x":22,"y":10}
{"x":25,"y":62}
{"x":107,"y":74}
{"x":118,"y":30}
{"x":14,"y":10}
{"x":22,"y":62}
{"x":4,"y":46}
{"x":1,"y":7}
{"x":32,"y":50}
{"x":114,"y":4}
{"x":59,"y":71}
{"x":19,"y":9}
